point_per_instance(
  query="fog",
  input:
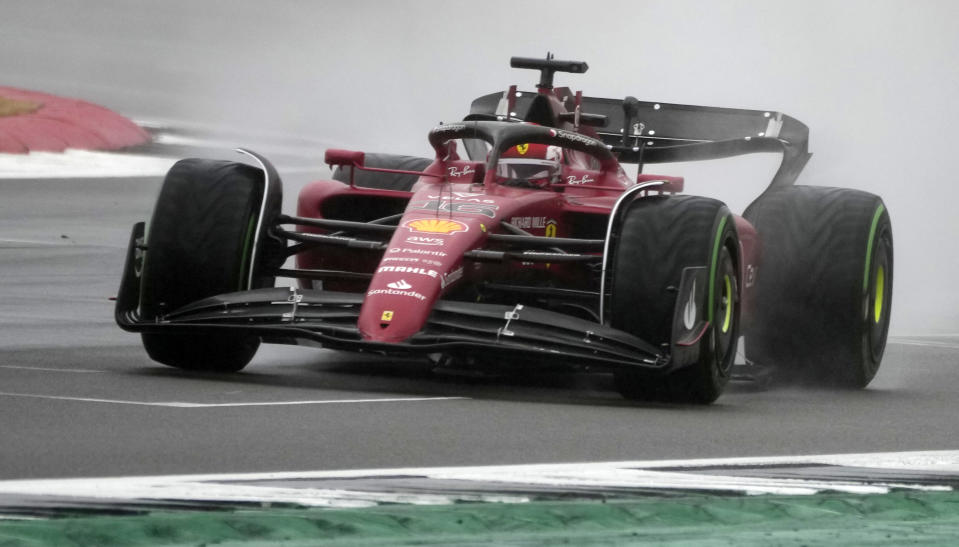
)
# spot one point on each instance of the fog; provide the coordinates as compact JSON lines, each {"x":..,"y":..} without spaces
{"x":876,"y":82}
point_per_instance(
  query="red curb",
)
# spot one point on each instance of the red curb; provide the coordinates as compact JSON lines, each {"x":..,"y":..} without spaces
{"x":62,"y":123}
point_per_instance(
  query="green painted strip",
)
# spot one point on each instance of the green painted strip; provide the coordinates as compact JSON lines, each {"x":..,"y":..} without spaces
{"x":913,"y":517}
{"x":712,"y":269}
{"x":872,"y":236}
{"x":880,"y":293}
{"x":728,"y":295}
{"x":247,"y":242}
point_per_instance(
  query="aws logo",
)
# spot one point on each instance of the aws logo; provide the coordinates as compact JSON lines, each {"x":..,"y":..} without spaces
{"x":423,"y":240}
{"x":435,"y":226}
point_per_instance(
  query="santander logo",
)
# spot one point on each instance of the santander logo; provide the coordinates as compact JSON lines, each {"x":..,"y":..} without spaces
{"x":400,"y":285}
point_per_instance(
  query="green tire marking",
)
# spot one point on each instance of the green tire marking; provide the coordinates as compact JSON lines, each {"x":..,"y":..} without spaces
{"x":728,"y":293}
{"x":712,"y":269}
{"x":247,"y":242}
{"x":880,"y":293}
{"x":872,"y":236}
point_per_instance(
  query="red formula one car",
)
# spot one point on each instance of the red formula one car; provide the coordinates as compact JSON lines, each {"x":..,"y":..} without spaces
{"x":524,"y":242}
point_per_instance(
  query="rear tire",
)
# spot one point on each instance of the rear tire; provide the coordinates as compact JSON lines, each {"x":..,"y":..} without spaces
{"x":660,"y":236}
{"x":824,"y":285}
{"x":199,"y":244}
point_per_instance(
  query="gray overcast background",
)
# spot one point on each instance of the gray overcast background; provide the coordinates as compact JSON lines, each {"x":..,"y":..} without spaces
{"x":876,"y":81}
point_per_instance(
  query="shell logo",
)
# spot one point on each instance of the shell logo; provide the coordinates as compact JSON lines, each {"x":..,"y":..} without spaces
{"x":436,"y":226}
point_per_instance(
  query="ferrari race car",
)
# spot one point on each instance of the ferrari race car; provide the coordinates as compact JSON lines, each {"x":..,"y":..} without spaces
{"x":524,"y":242}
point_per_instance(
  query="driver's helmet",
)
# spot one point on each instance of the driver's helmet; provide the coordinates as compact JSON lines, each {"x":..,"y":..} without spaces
{"x":536,"y":164}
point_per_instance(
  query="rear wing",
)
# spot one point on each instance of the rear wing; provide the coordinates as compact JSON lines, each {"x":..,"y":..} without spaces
{"x":665,"y":132}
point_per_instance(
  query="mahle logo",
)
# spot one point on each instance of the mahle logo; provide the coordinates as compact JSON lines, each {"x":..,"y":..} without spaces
{"x":436,"y":226}
{"x":408,"y":269}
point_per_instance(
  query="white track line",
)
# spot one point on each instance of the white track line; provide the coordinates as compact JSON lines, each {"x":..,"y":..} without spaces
{"x":34,"y":242}
{"x":938,"y":335}
{"x":925,"y":343}
{"x":42,"y":369}
{"x":316,"y":402}
{"x":179,"y":404}
{"x":946,"y":461}
{"x":662,"y":474}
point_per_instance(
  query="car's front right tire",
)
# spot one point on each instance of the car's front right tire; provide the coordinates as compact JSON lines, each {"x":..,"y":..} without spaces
{"x":200,"y":243}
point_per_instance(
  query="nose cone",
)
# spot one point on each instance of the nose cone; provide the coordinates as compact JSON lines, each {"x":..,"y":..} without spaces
{"x":398,"y":302}
{"x":423,"y":258}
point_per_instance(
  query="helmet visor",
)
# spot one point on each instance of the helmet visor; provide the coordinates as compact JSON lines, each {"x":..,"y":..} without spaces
{"x":526,"y":169}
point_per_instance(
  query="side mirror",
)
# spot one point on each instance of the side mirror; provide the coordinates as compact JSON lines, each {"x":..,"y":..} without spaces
{"x":344,"y":157}
{"x":451,"y":152}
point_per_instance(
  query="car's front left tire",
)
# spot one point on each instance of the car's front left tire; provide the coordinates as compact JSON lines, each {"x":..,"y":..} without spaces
{"x":660,"y":236}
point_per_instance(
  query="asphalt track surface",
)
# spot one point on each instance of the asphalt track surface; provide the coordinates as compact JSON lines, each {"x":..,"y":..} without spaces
{"x":80,"y":398}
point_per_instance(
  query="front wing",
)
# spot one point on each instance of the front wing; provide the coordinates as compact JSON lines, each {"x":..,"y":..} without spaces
{"x":327,"y":318}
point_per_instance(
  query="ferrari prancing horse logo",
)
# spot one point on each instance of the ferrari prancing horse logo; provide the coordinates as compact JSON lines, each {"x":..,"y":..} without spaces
{"x":522,"y":148}
{"x":387,"y":316}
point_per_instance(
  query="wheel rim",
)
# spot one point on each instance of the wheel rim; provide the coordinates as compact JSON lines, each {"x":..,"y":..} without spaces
{"x":880,"y":296}
{"x":725,"y":303}
{"x":725,"y":312}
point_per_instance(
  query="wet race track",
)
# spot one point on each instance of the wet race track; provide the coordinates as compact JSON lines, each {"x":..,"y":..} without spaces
{"x":307,"y":443}
{"x":79,"y":397}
